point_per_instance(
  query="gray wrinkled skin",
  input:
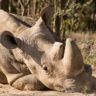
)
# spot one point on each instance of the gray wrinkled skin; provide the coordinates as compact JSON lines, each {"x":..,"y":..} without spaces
{"x":31,"y":58}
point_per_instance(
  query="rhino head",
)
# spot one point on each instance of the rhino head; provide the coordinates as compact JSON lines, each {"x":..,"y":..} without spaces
{"x":59,"y":66}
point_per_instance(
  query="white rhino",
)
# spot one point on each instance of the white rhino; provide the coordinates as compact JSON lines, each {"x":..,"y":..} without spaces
{"x":32,"y":58}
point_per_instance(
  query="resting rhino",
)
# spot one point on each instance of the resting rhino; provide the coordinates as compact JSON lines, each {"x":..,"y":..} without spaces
{"x":31,"y":58}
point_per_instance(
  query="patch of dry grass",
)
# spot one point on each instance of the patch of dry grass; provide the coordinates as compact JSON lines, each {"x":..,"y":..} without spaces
{"x":87,"y":45}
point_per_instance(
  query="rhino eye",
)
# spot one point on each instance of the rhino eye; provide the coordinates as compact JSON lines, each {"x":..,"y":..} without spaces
{"x":45,"y":68}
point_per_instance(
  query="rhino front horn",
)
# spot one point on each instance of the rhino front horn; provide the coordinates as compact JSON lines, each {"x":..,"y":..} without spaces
{"x":72,"y":60}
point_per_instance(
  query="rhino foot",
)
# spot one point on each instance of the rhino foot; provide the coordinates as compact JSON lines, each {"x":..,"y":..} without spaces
{"x":28,"y":82}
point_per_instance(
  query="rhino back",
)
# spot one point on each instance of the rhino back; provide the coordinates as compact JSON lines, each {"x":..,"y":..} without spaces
{"x":9,"y":22}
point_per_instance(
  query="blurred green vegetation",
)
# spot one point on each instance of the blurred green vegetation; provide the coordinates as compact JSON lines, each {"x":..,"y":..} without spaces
{"x":87,"y":44}
{"x":69,"y":15}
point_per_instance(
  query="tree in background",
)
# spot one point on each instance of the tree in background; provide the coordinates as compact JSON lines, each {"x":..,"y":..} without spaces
{"x":4,"y":4}
{"x":69,"y":15}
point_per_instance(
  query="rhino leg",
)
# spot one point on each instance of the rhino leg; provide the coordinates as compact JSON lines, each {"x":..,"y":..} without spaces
{"x":18,"y":79}
{"x":28,"y":82}
{"x":3,"y":78}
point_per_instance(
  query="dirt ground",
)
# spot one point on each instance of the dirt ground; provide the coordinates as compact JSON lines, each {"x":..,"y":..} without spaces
{"x":6,"y":90}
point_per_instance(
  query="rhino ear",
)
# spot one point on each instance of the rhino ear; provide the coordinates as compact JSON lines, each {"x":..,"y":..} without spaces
{"x":47,"y":13}
{"x":8,"y":40}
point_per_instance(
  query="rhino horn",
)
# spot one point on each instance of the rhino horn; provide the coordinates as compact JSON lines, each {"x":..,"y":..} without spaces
{"x":72,"y":60}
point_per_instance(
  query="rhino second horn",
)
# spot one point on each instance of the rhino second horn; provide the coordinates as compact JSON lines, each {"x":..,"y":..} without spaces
{"x":72,"y":60}
{"x":57,"y":51}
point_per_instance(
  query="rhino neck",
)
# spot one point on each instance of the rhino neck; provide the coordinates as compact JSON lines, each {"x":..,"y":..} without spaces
{"x":20,"y":29}
{"x":29,"y":48}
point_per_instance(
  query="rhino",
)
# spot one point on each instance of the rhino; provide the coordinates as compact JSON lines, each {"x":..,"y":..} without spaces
{"x":33,"y":58}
